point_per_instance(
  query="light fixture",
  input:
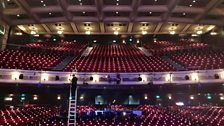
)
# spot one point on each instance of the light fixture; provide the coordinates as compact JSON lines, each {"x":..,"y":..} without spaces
{"x":41,"y":1}
{"x":169,"y":77}
{"x":194,"y":77}
{"x":190,"y":5}
{"x":138,"y":41}
{"x":179,"y":103}
{"x":59,"y":32}
{"x":172,"y":32}
{"x":123,"y":41}
{"x":50,"y":13}
{"x":117,"y":12}
{"x":15,"y":75}
{"x":222,"y":98}
{"x":94,"y":41}
{"x":146,"y":97}
{"x":44,"y":5}
{"x":199,"y":32}
{"x":35,"y":97}
{"x":59,"y":97}
{"x":96,"y":78}
{"x":114,"y":41}
{"x":144,"y":32}
{"x":213,"y":33}
{"x":116,"y":32}
{"x":194,"y":35}
{"x":192,"y":97}
{"x":169,"y":97}
{"x":18,"y":33}
{"x":32,"y":32}
{"x":87,"y":32}
{"x":18,"y":15}
{"x":44,"y":77}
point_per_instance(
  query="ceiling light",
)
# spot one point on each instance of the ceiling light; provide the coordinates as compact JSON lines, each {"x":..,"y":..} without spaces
{"x":41,"y":1}
{"x":8,"y":0}
{"x":44,"y":5}
{"x":18,"y":15}
{"x":144,"y":32}
{"x":80,"y":0}
{"x":116,"y":32}
{"x":36,"y":35}
{"x":87,"y":32}
{"x":59,"y":32}
{"x":114,"y":41}
{"x":83,"y":12}
{"x":117,"y":4}
{"x":172,"y":32}
{"x":22,"y":28}
{"x":32,"y":32}
{"x":117,"y":0}
{"x":194,"y":1}
{"x":199,"y":32}
{"x":194,"y":35}
{"x":213,"y":33}
{"x":50,"y":13}
{"x":184,"y":13}
{"x":19,"y":33}
{"x":150,"y":12}
{"x":116,"y":12}
{"x":190,"y":5}
{"x":94,"y":41}
{"x":138,"y":41}
{"x":80,"y":4}
{"x":123,"y":41}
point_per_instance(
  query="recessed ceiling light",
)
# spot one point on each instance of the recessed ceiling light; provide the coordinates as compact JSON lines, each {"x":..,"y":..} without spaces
{"x":8,"y":0}
{"x":155,"y":0}
{"x":194,"y":1}
{"x":41,"y":1}
{"x":80,"y":0}
{"x":117,"y":0}
{"x":44,"y":5}
{"x":83,"y":12}
{"x":50,"y":13}
{"x":150,"y":12}
{"x":184,"y":13}
{"x":116,"y":12}
{"x":190,"y":5}
{"x":17,"y":15}
{"x":117,"y":4}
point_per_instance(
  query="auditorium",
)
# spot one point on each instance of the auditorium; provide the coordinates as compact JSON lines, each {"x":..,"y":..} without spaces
{"x":111,"y":63}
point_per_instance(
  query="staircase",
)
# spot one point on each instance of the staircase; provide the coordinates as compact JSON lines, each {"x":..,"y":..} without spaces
{"x":145,"y":51}
{"x":87,"y":51}
{"x":63,"y":63}
{"x":177,"y":66}
{"x":72,"y":109}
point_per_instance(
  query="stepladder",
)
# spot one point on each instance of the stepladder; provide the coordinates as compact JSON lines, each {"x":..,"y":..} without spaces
{"x":72,"y":108}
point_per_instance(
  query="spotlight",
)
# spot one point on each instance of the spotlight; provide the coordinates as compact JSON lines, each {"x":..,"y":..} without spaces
{"x":91,"y":78}
{"x":57,"y":78}
{"x":139,"y":78}
{"x":187,"y":77}
{"x":216,"y":76}
{"x":21,"y":76}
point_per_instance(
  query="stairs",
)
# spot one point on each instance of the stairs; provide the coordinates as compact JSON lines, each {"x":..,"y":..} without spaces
{"x":145,"y":51}
{"x":177,"y":66}
{"x":87,"y":51}
{"x":72,"y":109}
{"x":63,"y":63}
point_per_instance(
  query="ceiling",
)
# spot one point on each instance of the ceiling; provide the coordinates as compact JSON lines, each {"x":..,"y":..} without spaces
{"x":110,"y":16}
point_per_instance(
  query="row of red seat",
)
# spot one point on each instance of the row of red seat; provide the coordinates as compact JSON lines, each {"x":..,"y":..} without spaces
{"x":200,"y":59}
{"x":58,"y":47}
{"x":167,"y":47}
{"x":19,"y":59}
{"x":118,"y":58}
{"x":151,"y":116}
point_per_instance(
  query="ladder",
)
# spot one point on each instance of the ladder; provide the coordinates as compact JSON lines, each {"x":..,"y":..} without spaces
{"x":72,"y":109}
